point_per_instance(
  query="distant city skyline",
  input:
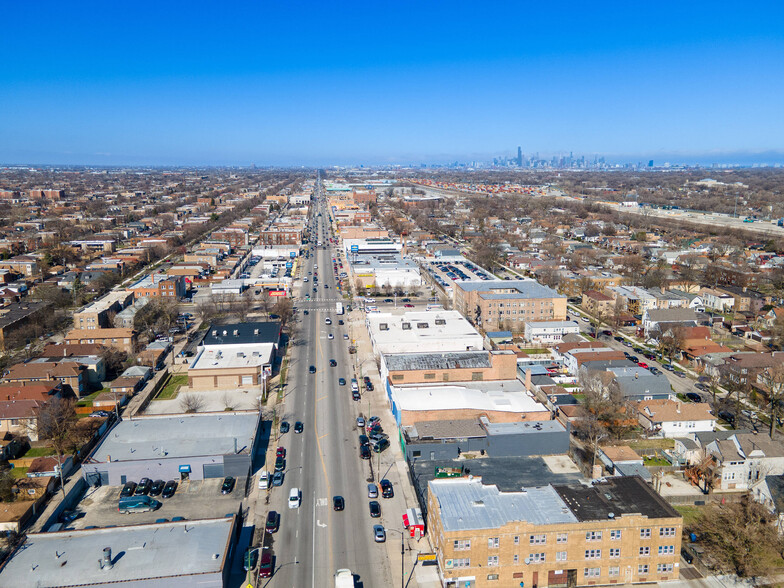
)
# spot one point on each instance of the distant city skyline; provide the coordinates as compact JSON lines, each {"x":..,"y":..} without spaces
{"x":427,"y":83}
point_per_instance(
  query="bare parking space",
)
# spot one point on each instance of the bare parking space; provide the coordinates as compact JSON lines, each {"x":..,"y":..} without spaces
{"x":195,"y":499}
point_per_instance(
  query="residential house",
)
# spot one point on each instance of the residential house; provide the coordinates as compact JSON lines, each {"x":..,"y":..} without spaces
{"x":744,"y":459}
{"x":673,"y":418}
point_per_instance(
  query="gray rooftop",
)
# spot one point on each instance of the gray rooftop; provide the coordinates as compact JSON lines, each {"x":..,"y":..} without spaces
{"x":139,"y":552}
{"x":468,"y":504}
{"x":185,"y":435}
{"x":447,"y":429}
{"x":524,"y":289}
{"x":522,"y":428}
{"x":437,"y":361}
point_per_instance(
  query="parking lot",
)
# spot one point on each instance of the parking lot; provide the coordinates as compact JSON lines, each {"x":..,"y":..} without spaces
{"x":194,"y":499}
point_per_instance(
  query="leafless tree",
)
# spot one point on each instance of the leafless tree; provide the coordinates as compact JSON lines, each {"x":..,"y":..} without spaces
{"x":773,"y":378}
{"x":228,"y":402}
{"x":190,"y":403}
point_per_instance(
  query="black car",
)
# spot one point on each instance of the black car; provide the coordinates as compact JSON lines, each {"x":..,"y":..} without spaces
{"x":338,"y":503}
{"x":701,"y":386}
{"x":305,"y":312}
{"x":634,"y":358}
{"x":298,"y":427}
{"x":386,"y":489}
{"x":355,"y":395}
{"x":381,"y":445}
{"x":687,"y":556}
{"x":727,"y":416}
{"x":312,"y":369}
{"x":375,"y":509}
{"x":369,"y":386}
{"x":157,"y":487}
{"x":364,"y":452}
{"x":363,"y":440}
{"x":280,"y":464}
{"x":143,"y":488}
{"x":169,"y":489}
{"x":284,"y":427}
{"x":128,"y":489}
{"x":69,"y":516}
{"x":618,"y":338}
{"x":341,"y":381}
{"x":273,"y":521}
{"x":366,"y":379}
{"x":693,"y":396}
{"x":333,"y":363}
{"x":340,"y":321}
{"x":228,"y":485}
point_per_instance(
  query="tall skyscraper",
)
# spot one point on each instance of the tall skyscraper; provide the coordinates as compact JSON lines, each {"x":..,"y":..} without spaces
{"x":519,"y":156}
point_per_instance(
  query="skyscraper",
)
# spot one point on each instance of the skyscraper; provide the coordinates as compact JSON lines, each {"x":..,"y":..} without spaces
{"x":519,"y":156}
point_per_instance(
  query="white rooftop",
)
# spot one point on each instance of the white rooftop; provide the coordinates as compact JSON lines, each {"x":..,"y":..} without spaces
{"x":422,"y":331}
{"x":211,"y":358}
{"x":499,"y":395}
{"x":139,"y":553}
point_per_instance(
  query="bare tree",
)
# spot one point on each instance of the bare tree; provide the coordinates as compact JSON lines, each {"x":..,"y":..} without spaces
{"x":773,"y":378}
{"x":191,"y":403}
{"x":228,"y":402}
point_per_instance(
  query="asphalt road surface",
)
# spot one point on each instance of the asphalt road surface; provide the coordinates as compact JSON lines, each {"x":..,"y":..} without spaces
{"x":323,"y":461}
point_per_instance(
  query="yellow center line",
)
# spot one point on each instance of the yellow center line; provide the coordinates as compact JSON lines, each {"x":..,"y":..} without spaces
{"x":318,"y":445}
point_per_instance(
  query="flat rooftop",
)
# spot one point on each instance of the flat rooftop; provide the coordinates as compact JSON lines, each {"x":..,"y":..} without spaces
{"x":414,"y":326}
{"x":438,"y":361}
{"x":186,"y":435}
{"x":615,"y":496}
{"x":469,"y":504}
{"x":139,"y":552}
{"x":213,"y":358}
{"x":498,"y":395}
{"x":524,"y":428}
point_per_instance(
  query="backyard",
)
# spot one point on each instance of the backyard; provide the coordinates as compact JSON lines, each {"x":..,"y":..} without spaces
{"x":172,"y":387}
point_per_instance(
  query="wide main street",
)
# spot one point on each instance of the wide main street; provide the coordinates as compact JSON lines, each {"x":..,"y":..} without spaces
{"x":323,"y":461}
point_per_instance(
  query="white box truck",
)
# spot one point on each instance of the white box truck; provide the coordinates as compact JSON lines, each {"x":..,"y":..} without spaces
{"x":344,"y":579}
{"x":339,"y":307}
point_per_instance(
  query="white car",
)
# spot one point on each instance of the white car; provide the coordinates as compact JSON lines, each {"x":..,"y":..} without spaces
{"x":345,"y":336}
{"x":264,"y":480}
{"x":330,"y":336}
{"x":305,"y":279}
{"x":294,"y":498}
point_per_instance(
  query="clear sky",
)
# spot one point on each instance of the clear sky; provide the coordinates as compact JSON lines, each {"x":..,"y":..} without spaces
{"x":338,"y":82}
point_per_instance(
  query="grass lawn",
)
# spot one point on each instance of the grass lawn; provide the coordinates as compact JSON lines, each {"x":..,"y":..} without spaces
{"x":655,"y":461}
{"x":171,"y":388}
{"x":689,"y":514}
{"x":19,"y":472}
{"x":652,"y":444}
{"x":88,"y":400}
{"x":39,"y":451}
{"x":534,"y":350}
{"x":579,"y":397}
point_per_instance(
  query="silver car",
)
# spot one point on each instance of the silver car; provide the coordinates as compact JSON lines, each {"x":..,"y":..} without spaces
{"x":379,"y":534}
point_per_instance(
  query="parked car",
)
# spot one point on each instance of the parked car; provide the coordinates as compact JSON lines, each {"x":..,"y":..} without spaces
{"x":701,"y":386}
{"x":273,"y":522}
{"x":360,"y":422}
{"x":379,"y":535}
{"x":355,"y":395}
{"x":687,"y":556}
{"x":341,"y":381}
{"x":284,"y":427}
{"x":280,"y":452}
{"x":364,"y":452}
{"x":169,"y":489}
{"x":280,"y":464}
{"x":375,"y":509}
{"x":128,"y":489}
{"x":277,"y":479}
{"x":265,"y":567}
{"x":264,"y":480}
{"x":157,"y":487}
{"x":228,"y":485}
{"x":372,"y":490}
{"x":727,"y":416}
{"x":381,"y":445}
{"x":693,"y":396}
{"x":386,"y":488}
{"x":143,"y":488}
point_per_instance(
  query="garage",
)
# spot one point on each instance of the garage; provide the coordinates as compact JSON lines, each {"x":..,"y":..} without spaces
{"x":247,"y":380}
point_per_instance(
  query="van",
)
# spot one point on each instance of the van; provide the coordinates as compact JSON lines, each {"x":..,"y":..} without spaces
{"x":294,"y":498}
{"x":131,"y":504}
{"x":354,"y":385}
{"x":264,"y":480}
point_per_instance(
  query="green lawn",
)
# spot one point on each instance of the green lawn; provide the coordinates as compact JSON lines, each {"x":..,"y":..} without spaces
{"x":88,"y":400}
{"x":654,"y":461}
{"x":689,"y":514}
{"x":39,"y":452}
{"x":651,"y":444}
{"x":534,"y":351}
{"x":171,"y":388}
{"x":19,"y":472}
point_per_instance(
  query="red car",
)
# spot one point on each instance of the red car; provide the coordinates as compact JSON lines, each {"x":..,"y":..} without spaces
{"x":409,"y":305}
{"x":281,"y":452}
{"x":265,"y":568}
{"x":642,"y":364}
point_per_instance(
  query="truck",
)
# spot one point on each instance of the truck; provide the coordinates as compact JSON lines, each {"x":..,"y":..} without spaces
{"x":339,"y":307}
{"x":344,"y":579}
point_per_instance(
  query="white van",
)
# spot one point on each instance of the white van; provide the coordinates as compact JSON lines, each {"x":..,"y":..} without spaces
{"x":264,"y":480}
{"x":294,"y":498}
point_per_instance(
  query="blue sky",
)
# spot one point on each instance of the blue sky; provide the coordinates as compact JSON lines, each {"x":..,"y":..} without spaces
{"x":320,"y":83}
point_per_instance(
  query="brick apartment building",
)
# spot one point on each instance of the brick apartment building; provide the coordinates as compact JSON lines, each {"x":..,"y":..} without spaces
{"x":99,"y":314}
{"x":507,"y":305}
{"x":458,"y":366}
{"x":597,"y":303}
{"x":614,"y":532}
{"x":159,"y":286}
{"x":281,"y":236}
{"x":122,"y":339}
{"x":234,"y":236}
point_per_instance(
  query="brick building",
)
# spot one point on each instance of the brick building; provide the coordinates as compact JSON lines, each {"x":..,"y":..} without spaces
{"x":597,"y":303}
{"x":122,"y":339}
{"x":159,"y":286}
{"x":281,"y":236}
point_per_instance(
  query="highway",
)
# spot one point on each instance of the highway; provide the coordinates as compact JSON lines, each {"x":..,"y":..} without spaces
{"x":322,"y":461}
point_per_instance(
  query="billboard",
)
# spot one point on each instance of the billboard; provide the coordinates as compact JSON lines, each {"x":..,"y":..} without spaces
{"x":277,"y":293}
{"x":354,"y":248}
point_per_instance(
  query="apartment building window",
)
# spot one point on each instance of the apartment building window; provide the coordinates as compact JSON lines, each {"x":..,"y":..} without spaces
{"x":615,"y":552}
{"x":517,"y":539}
{"x":667,"y":532}
{"x":492,"y":561}
{"x":592,"y":572}
{"x":493,"y":542}
{"x":615,"y":535}
{"x":560,"y":556}
{"x":561,"y":537}
{"x":666,"y":549}
{"x":665,"y":568}
{"x":645,"y":550}
{"x":593,"y":536}
{"x":477,"y":376}
{"x":492,"y":576}
{"x":516,"y":558}
{"x":462,"y":544}
{"x":642,"y":569}
{"x":464,"y":562}
{"x":593,"y":554}
{"x":430,"y":376}
{"x":614,"y":571}
{"x":536,"y":557}
{"x":537,"y":539}
{"x":645,"y":533}
{"x":397,"y":377}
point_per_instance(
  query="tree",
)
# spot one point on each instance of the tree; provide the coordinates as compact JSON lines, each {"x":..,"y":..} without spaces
{"x":741,"y":537}
{"x":56,"y":421}
{"x":190,"y":403}
{"x":6,"y":485}
{"x":284,"y":308}
{"x":773,"y":378}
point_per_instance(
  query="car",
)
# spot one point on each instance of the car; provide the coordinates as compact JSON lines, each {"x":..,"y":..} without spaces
{"x":642,"y":364}
{"x":388,"y":300}
{"x":345,"y":336}
{"x":372,"y":490}
{"x":284,"y":427}
{"x":143,"y":488}
{"x":379,"y":535}
{"x":369,"y":386}
{"x":264,"y":480}
{"x":749,"y":414}
{"x":406,"y":300}
{"x":228,"y":485}
{"x":364,"y":452}
{"x":277,"y":479}
{"x":618,"y":338}
{"x":687,"y":556}
{"x":607,"y":333}
{"x":312,"y":369}
{"x":273,"y":522}
{"x":99,"y":414}
{"x":627,"y":343}
{"x":584,"y":319}
{"x":408,"y":306}
{"x":680,"y":374}
{"x":338,"y":503}
{"x":380,"y":445}
{"x":177,"y":519}
{"x":69,"y":516}
{"x":128,"y":489}
{"x":727,"y":416}
{"x":298,"y":427}
{"x":265,"y":567}
{"x":654,"y":370}
{"x":340,"y":321}
{"x":701,"y":386}
{"x":333,"y":363}
{"x":360,"y":422}
{"x":633,"y":358}
{"x":355,"y":395}
{"x":386,"y":488}
{"x":169,"y":489}
{"x":305,"y":312}
{"x":693,"y":396}
{"x":375,"y":427}
{"x":374,"y":419}
{"x":363,"y":440}
{"x":668,"y":367}
{"x":280,"y":464}
{"x":157,"y":487}
{"x":330,"y":336}
{"x":250,"y":559}
{"x":156,"y":520}
{"x":375,"y":509}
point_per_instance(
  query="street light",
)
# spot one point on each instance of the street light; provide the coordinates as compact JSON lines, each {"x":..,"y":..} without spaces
{"x":402,"y":556}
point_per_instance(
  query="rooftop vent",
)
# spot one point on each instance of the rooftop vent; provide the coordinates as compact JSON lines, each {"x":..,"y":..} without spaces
{"x":105,"y":563}
{"x":478,"y":503}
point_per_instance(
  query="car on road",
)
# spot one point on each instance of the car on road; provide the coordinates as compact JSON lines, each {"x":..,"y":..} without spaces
{"x":264,"y":480}
{"x":345,"y":336}
{"x":386,"y":488}
{"x":298,"y":427}
{"x":305,"y":312}
{"x":295,"y":498}
{"x":680,"y":374}
{"x":406,"y":300}
{"x":265,"y":567}
{"x":312,"y":369}
{"x":341,"y":381}
{"x":363,"y":440}
{"x":360,"y":422}
{"x":340,"y":321}
{"x":251,"y":559}
{"x":333,"y":363}
{"x":330,"y":336}
{"x":642,"y":364}
{"x":128,"y":489}
{"x":654,"y":370}
{"x":277,"y":479}
{"x":169,"y":489}
{"x":379,"y":535}
{"x":727,"y":416}
{"x":668,"y":367}
{"x":408,"y":306}
{"x":143,"y":487}
{"x":633,"y":358}
{"x":618,"y":338}
{"x":584,"y":319}
{"x":273,"y":522}
{"x":355,"y":395}
{"x":327,"y":321}
{"x":280,"y":452}
{"x":375,"y":509}
{"x":627,"y":343}
{"x":372,"y":490}
{"x":157,"y":487}
{"x":701,"y":386}
{"x":364,"y":452}
{"x":388,"y":300}
{"x":280,"y":464}
{"x":693,"y":396}
{"x":228,"y":484}
{"x":338,"y":503}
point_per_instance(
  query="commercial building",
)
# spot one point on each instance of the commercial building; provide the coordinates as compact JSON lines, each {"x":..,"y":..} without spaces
{"x":614,"y":531}
{"x":507,"y":304}
{"x":184,"y":446}
{"x":456,"y":366}
{"x":382,"y":271}
{"x":162,"y":555}
{"x":424,"y":331}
